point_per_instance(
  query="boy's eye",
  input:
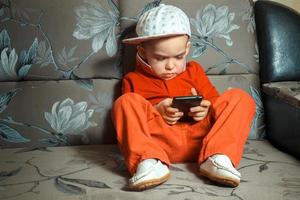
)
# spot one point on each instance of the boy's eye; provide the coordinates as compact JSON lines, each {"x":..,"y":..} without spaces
{"x":179,"y":57}
{"x":160,"y":58}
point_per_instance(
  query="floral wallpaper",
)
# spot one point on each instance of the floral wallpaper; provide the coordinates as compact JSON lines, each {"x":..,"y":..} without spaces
{"x":70,"y":77}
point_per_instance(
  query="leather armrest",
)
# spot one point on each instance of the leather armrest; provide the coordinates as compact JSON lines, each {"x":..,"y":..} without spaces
{"x":278,"y":37}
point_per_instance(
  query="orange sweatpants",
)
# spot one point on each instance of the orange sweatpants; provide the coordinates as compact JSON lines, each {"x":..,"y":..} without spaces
{"x":142,"y":133}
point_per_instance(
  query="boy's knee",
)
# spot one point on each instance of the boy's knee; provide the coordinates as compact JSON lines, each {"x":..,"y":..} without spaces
{"x":243,"y":97}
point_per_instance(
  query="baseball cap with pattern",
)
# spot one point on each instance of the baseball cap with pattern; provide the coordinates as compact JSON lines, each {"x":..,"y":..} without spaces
{"x":159,"y":22}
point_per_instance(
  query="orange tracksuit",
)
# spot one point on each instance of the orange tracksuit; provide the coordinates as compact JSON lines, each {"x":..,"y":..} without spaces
{"x":142,"y":133}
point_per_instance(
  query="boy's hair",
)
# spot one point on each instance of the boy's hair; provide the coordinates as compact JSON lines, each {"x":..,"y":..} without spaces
{"x":160,"y":22}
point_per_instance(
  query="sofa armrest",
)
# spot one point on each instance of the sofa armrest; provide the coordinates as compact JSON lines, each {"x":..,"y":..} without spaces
{"x":278,"y":31}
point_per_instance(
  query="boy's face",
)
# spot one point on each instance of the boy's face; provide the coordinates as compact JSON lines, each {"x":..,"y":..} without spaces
{"x":167,"y":56}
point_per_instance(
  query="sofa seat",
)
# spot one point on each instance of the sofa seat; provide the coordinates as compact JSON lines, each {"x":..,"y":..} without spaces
{"x":98,"y":172}
{"x":288,"y":91}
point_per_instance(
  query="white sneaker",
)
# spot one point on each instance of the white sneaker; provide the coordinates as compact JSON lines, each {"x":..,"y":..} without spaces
{"x":149,"y":173}
{"x":220,"y":169}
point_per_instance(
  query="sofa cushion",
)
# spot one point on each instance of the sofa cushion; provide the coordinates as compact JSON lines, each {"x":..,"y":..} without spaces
{"x":288,"y":91}
{"x":98,"y":172}
{"x":54,"y":113}
{"x":66,"y":39}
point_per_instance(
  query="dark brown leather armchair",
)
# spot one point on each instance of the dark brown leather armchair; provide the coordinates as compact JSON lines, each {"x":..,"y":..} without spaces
{"x":278,"y":36}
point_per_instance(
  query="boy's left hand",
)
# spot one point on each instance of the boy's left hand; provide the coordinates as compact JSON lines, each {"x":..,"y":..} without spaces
{"x":198,"y":113}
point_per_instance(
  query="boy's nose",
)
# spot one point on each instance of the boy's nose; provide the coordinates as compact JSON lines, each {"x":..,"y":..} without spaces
{"x":170,"y":65}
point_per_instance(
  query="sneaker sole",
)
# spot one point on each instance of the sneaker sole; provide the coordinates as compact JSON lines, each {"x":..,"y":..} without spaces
{"x":149,"y":183}
{"x":221,"y":180}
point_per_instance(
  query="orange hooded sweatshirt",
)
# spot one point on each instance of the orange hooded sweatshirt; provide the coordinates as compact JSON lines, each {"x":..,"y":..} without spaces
{"x":143,"y":81}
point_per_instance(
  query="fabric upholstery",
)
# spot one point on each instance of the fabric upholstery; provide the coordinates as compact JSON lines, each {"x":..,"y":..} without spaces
{"x":67,"y":36}
{"x":55,"y":113}
{"x":54,"y":53}
{"x":93,"y":172}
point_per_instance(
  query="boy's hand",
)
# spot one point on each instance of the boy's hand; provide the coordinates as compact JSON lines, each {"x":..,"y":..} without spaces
{"x":169,"y":114}
{"x":198,"y":113}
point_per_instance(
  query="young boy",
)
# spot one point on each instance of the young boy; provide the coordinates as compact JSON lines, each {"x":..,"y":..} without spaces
{"x":149,"y":132}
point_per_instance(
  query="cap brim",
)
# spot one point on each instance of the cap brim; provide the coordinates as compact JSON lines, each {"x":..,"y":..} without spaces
{"x":138,"y":40}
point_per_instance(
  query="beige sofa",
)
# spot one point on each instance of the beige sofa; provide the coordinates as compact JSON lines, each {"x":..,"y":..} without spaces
{"x":60,"y":71}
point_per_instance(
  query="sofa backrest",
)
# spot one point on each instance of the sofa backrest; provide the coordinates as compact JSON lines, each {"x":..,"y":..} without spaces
{"x":60,"y":90}
{"x":279,"y":41}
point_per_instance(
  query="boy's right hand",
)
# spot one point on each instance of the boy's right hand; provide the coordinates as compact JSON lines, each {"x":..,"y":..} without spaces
{"x":170,"y":115}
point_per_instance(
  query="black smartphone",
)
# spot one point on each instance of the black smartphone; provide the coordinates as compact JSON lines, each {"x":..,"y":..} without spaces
{"x":184,"y":103}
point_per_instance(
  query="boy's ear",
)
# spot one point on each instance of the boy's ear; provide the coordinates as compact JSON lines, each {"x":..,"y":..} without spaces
{"x":141,"y":51}
{"x":188,"y":47}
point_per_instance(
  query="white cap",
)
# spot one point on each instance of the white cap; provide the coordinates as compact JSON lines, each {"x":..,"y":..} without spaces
{"x":159,"y":22}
